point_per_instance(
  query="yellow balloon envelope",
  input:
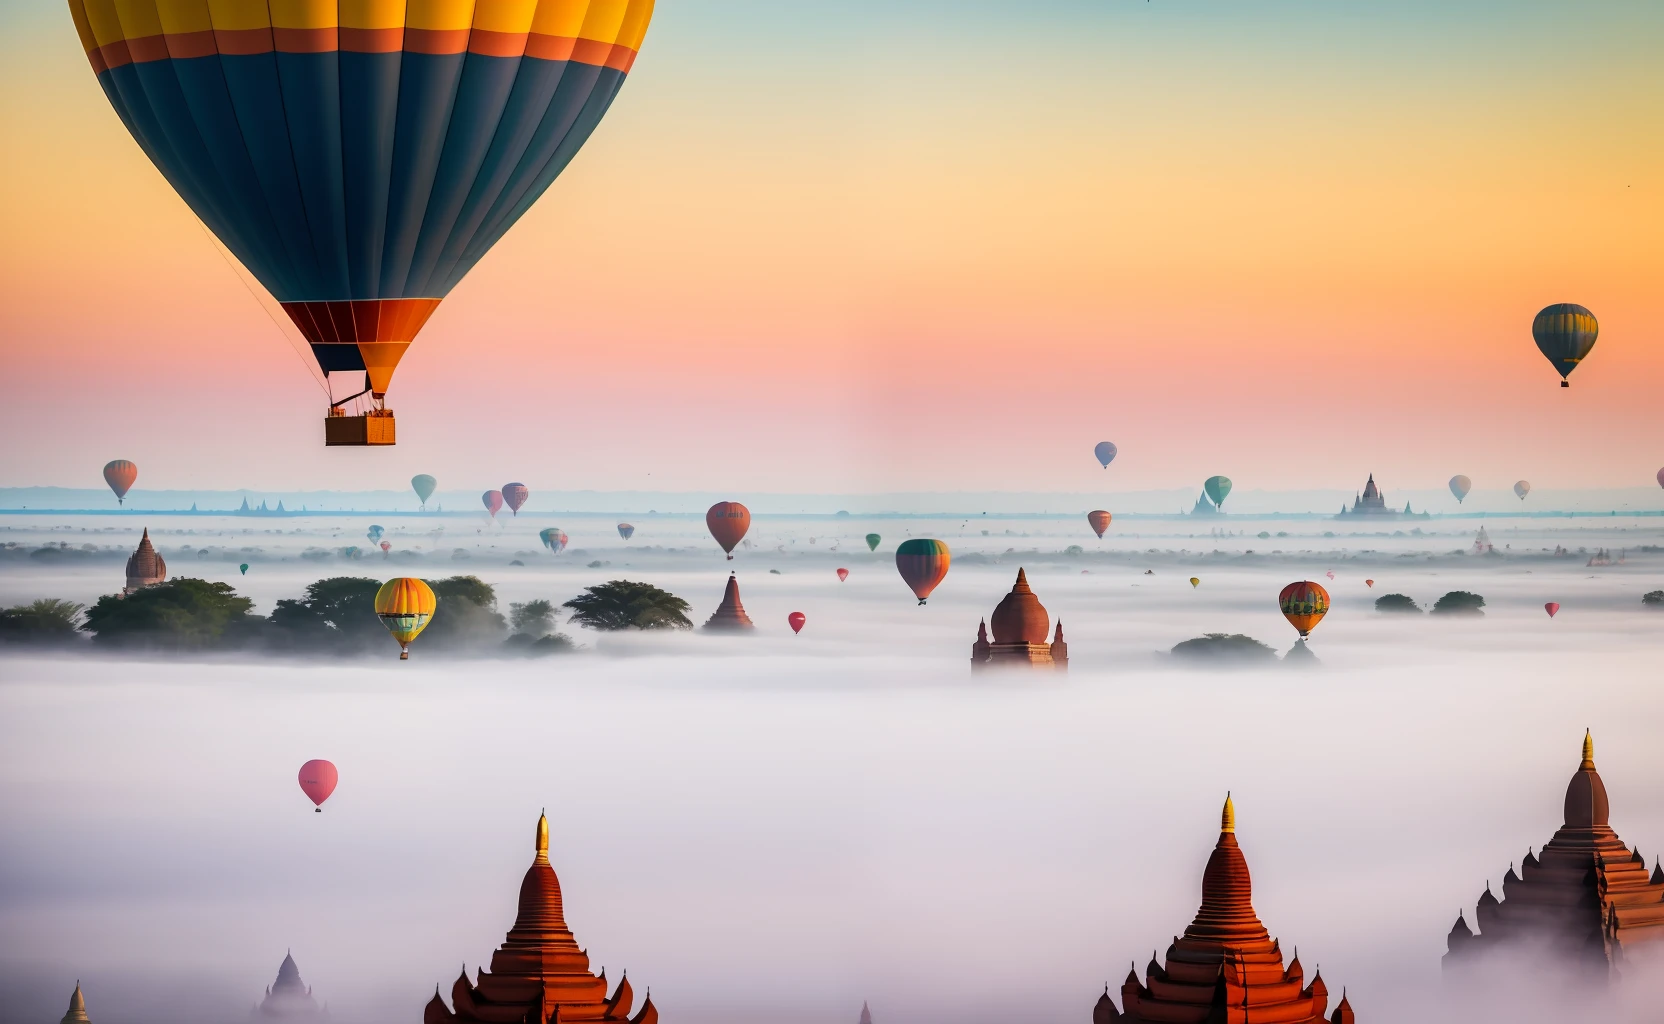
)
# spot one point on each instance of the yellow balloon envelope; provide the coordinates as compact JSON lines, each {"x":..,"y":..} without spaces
{"x":405,"y":605}
{"x":1195,"y":581}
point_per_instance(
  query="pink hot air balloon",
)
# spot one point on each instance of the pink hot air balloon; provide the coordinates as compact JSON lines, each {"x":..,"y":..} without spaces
{"x":843,"y":574}
{"x":317,"y":781}
{"x":493,"y":502}
{"x":515,"y":495}
{"x":386,"y":546}
{"x":797,"y":619}
{"x":1551,"y":608}
{"x":1330,"y":574}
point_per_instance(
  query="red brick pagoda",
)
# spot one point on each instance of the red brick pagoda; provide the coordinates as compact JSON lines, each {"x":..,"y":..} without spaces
{"x":1226,"y":968}
{"x":539,"y":975}
{"x":1020,"y":626}
{"x":145,"y":567}
{"x":730,"y":614}
{"x":1585,"y":901}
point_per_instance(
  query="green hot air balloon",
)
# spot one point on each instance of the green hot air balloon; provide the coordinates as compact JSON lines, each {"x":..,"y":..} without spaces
{"x":1217,"y":488}
{"x":424,"y":486}
{"x":872,"y":541}
{"x":1565,"y":332}
{"x":243,"y":568}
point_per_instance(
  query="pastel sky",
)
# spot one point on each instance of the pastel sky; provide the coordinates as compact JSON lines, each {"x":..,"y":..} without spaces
{"x":928,"y":246}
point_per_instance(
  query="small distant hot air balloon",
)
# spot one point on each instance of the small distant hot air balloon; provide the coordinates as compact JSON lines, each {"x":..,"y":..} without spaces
{"x":120,"y":475}
{"x":374,"y":534}
{"x":515,"y":495}
{"x":923,"y":564}
{"x":1460,"y":486}
{"x":796,"y":620}
{"x":728,"y":521}
{"x":1369,"y":583}
{"x":1195,"y":581}
{"x":1304,"y":604}
{"x":386,"y":546}
{"x":1106,"y":452}
{"x":554,"y":538}
{"x":1551,"y":608}
{"x":424,"y":487}
{"x":1522,"y":488}
{"x":625,"y":530}
{"x":405,"y":605}
{"x":1100,"y":521}
{"x":493,"y":502}
{"x":1565,"y":332}
{"x":1217,"y":487}
{"x":843,"y":574}
{"x":243,"y":568}
{"x":317,"y":780}
{"x":873,"y":538}
{"x":1330,"y":574}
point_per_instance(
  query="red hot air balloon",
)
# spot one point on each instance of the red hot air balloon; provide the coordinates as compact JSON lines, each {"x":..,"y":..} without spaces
{"x":1100,"y":521}
{"x":120,"y":475}
{"x":1551,"y":608}
{"x":317,"y":781}
{"x":728,"y":521}
{"x":843,"y":574}
{"x":797,"y":619}
{"x":923,"y":564}
{"x":1369,"y":583}
{"x":515,"y":495}
{"x":386,"y":546}
{"x":1330,"y":574}
{"x":493,"y":502}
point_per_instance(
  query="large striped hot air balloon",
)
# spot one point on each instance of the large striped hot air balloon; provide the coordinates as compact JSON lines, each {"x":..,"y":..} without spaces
{"x":728,"y":521}
{"x":1565,"y":332}
{"x":1304,"y":604}
{"x":1100,"y":520}
{"x":405,"y":605}
{"x":1217,"y":488}
{"x":922,"y":564}
{"x":120,"y":475}
{"x":515,"y":495}
{"x":360,"y":156}
{"x":554,"y":538}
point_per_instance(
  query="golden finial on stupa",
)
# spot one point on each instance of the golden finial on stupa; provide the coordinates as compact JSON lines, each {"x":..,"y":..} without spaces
{"x":1588,"y":750}
{"x":543,"y":836}
{"x":1227,"y":820}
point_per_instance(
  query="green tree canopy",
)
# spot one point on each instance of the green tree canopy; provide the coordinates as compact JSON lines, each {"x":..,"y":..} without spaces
{"x":48,"y":620}
{"x":466,"y":616}
{"x":625,"y":604}
{"x":534,"y":618}
{"x":1224,"y":650}
{"x":1459,"y":602}
{"x":184,"y":614}
{"x":339,"y":612}
{"x":1397,"y":603}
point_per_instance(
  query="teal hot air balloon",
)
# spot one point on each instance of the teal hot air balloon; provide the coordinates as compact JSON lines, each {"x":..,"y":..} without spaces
{"x":873,"y":539}
{"x":1565,"y":332}
{"x":1217,"y":487}
{"x":424,"y":486}
{"x":359,"y":158}
{"x":1460,"y":486}
{"x":374,"y":534}
{"x":243,"y":568}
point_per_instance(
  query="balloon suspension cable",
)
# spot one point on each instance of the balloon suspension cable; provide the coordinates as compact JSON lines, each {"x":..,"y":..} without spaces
{"x":311,"y":366}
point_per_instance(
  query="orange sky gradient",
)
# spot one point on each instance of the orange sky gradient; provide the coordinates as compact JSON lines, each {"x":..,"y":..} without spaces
{"x":928,"y":249}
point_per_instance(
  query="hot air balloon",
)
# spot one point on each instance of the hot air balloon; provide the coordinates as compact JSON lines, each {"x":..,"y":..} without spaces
{"x":922,"y":564}
{"x":1369,"y":583}
{"x":405,"y":605}
{"x":359,"y":159}
{"x":1522,"y":488}
{"x":243,"y":568}
{"x":1661,"y":478}
{"x":1551,"y":608}
{"x":728,"y":521}
{"x":1330,"y":574}
{"x":515,"y":495}
{"x":1106,"y":452}
{"x":1217,"y":487}
{"x":625,"y":530}
{"x":1460,"y":486}
{"x":1565,"y":332}
{"x":386,"y":546}
{"x":1099,"y":520}
{"x":317,"y":780}
{"x":374,"y":534}
{"x":424,"y":486}
{"x":493,"y":502}
{"x":843,"y":574}
{"x":1195,"y":581}
{"x":554,"y":538}
{"x":796,"y":621}
{"x":120,"y":475}
{"x":873,"y":538}
{"x":1304,"y":604}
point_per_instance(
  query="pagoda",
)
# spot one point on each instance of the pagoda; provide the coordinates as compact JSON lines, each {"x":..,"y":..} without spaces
{"x":77,"y":1009}
{"x":866,"y":1014}
{"x":1226,"y":968}
{"x":539,"y":975}
{"x":1020,"y":626}
{"x":1586,"y":900}
{"x":288,"y":998}
{"x":145,"y":567}
{"x":730,"y":614}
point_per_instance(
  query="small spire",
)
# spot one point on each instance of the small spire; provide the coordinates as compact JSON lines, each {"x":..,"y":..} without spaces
{"x":543,"y":836}
{"x":1227,"y":819}
{"x":1588,"y":751}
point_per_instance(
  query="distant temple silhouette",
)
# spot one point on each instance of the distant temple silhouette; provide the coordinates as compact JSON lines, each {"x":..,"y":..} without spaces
{"x":145,"y":567}
{"x":539,"y":975}
{"x":1373,"y":502}
{"x":1226,"y":968}
{"x":1204,"y":507}
{"x":1020,"y":625}
{"x":730,"y":614}
{"x":866,"y":1014}
{"x":1586,"y":900}
{"x":77,"y":1009}
{"x":288,"y":998}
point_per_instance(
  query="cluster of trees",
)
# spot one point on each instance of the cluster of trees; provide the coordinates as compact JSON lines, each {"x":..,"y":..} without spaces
{"x":1457,"y":602}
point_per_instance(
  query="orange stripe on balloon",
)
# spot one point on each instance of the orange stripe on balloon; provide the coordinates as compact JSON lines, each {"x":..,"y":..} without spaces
{"x":438,"y":41}
{"x":185,"y":45}
{"x":497,"y":44}
{"x":306,"y":40}
{"x":242,"y":42}
{"x":372,"y":40}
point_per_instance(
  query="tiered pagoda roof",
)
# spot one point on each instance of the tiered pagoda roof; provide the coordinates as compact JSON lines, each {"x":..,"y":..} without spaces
{"x":1226,"y":968}
{"x":1586,"y":899}
{"x":289,"y":998}
{"x":539,"y":975}
{"x":1020,"y":617}
{"x":145,"y":566}
{"x":77,"y":1009}
{"x":730,"y":614}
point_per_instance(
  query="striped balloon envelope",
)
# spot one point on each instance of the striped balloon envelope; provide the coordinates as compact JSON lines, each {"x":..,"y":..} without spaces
{"x":360,"y":156}
{"x":405,"y":606}
{"x":514,"y":496}
{"x":1304,"y":604}
{"x":120,"y":475}
{"x":1099,"y":520}
{"x":923,"y":564}
{"x":1565,"y":333}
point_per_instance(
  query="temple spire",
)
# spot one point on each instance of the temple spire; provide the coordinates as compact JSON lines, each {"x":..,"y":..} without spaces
{"x":542,"y":837}
{"x":1227,"y":819}
{"x":1588,"y":751}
